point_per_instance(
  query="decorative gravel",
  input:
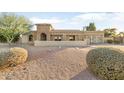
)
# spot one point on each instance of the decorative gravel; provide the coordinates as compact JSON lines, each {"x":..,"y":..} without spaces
{"x":51,"y":63}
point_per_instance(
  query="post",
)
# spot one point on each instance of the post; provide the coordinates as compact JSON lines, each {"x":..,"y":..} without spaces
{"x":64,"y":37}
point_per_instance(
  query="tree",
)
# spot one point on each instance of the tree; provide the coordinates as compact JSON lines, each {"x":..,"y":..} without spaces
{"x":2,"y":39}
{"x":91,"y":27}
{"x":110,"y":32}
{"x":121,"y":34}
{"x":12,"y":26}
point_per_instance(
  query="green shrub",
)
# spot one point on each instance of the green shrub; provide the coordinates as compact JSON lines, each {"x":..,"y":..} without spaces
{"x":13,"y":57}
{"x":106,"y":63}
{"x":2,"y":39}
{"x":117,"y":41}
{"x":4,"y":55}
{"x":16,"y":38}
{"x":110,"y":41}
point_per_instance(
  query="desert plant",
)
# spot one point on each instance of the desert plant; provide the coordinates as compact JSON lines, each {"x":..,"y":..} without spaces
{"x":12,"y":26}
{"x":117,"y":41}
{"x":110,"y":41}
{"x":106,"y":63}
{"x":4,"y":55}
{"x":13,"y":56}
{"x":18,"y":55}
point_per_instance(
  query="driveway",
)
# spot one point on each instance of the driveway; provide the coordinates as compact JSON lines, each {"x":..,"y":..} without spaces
{"x":51,"y":63}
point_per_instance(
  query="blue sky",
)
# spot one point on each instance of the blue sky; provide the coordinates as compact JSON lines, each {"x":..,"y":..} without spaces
{"x":76,"y":20}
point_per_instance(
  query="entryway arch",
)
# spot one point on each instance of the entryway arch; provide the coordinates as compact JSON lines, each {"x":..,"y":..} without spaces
{"x":43,"y":37}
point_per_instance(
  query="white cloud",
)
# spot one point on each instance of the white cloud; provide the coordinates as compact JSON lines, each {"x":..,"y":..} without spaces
{"x":98,"y":17}
{"x":118,"y":17}
{"x":102,"y":20}
{"x":54,"y":21}
{"x":89,"y":17}
{"x":43,"y":20}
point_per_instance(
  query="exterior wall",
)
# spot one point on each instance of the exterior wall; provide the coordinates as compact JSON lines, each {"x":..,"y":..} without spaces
{"x":79,"y":35}
{"x":60,"y":43}
{"x":92,"y":37}
{"x":43,"y":28}
{"x":24,"y":39}
{"x":34,"y":35}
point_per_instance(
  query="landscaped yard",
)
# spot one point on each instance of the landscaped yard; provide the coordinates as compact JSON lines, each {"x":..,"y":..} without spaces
{"x":52,"y":63}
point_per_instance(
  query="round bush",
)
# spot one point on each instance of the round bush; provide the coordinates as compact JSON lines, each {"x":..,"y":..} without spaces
{"x":14,"y":56}
{"x":18,"y":55}
{"x":106,"y":63}
{"x":4,"y":55}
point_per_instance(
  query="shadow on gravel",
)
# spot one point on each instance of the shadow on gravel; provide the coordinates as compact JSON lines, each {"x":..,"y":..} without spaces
{"x":84,"y":75}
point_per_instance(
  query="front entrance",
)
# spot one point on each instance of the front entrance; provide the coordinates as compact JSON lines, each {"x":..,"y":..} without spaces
{"x":43,"y":37}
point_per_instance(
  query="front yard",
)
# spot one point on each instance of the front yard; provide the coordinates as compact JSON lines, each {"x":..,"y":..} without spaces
{"x":52,"y":63}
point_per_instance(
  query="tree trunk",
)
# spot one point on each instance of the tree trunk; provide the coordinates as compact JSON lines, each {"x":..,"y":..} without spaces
{"x":9,"y":42}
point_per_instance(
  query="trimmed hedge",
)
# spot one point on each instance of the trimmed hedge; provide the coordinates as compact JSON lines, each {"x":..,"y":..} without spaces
{"x":106,"y":63}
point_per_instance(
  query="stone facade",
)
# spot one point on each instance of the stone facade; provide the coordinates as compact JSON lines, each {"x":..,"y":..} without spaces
{"x":45,"y":32}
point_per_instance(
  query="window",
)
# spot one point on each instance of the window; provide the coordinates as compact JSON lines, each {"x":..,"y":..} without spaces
{"x":72,"y":38}
{"x":57,"y":38}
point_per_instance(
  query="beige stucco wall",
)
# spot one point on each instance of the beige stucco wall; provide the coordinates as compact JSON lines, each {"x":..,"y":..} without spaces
{"x":24,"y":39}
{"x":60,"y":43}
{"x":91,"y":36}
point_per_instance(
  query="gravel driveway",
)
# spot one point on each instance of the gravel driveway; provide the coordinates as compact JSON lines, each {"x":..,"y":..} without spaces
{"x":51,"y":63}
